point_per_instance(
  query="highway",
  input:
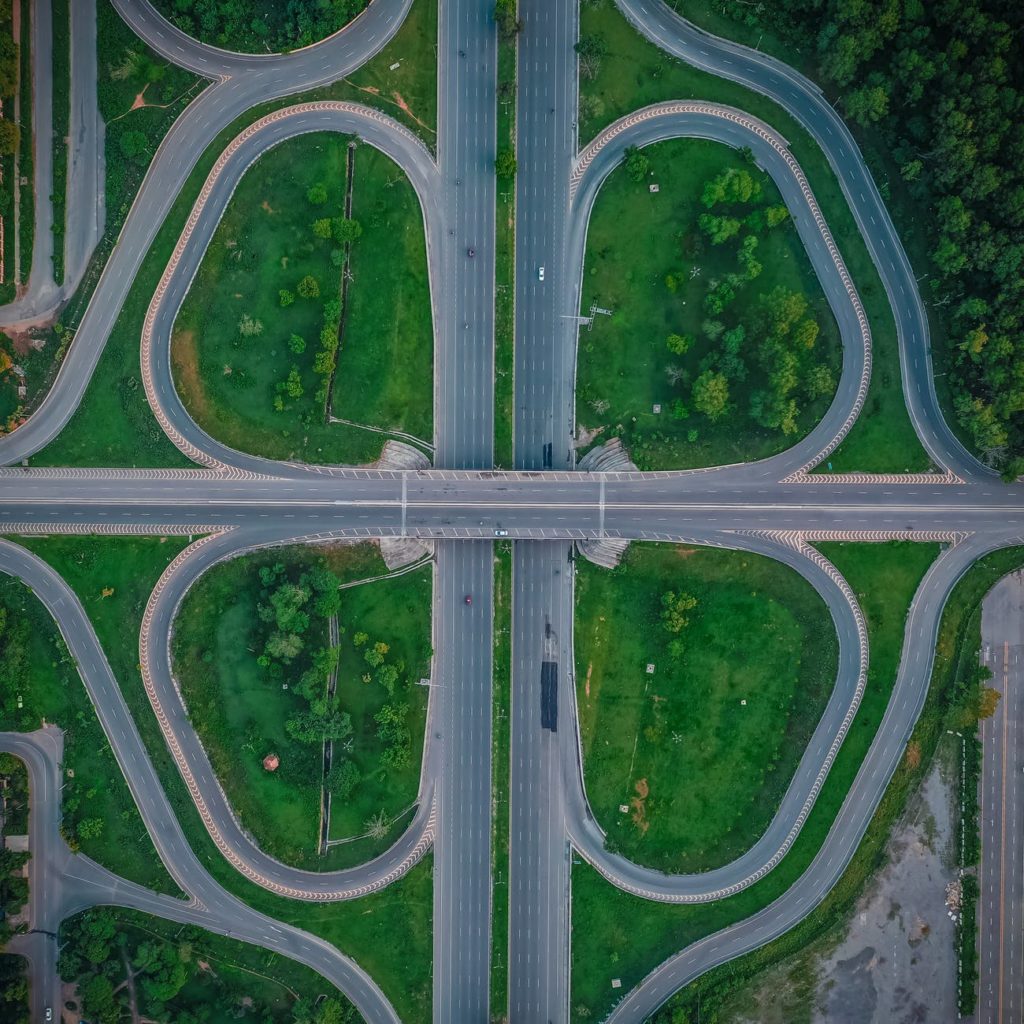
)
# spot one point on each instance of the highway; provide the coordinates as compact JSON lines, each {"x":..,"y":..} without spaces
{"x":1000,"y":804}
{"x":241,"y":502}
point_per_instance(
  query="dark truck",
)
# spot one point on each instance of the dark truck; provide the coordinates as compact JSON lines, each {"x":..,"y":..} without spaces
{"x":549,"y":695}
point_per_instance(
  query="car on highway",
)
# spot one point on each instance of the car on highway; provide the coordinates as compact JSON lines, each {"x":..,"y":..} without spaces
{"x":471,"y":253}
{"x":469,"y":599}
{"x":540,"y":273}
{"x":501,"y":533}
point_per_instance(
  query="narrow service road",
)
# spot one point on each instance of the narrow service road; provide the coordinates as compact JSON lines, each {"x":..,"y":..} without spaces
{"x":1001,"y":803}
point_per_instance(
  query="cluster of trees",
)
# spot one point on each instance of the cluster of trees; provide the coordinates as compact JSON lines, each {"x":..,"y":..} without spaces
{"x":344,"y":231}
{"x":392,"y":730}
{"x":293,"y":607}
{"x":777,"y":341}
{"x":13,"y":888}
{"x":675,"y":618}
{"x":264,"y":26}
{"x":9,"y":57}
{"x":943,"y":85}
{"x":102,"y":956}
{"x":13,"y":990}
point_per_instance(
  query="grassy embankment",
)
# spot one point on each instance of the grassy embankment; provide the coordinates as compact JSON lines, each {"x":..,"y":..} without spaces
{"x":615,"y":935}
{"x":702,"y":751}
{"x":265,"y":246}
{"x":389,"y":933}
{"x":240,"y":713}
{"x":99,"y":815}
{"x":625,"y":366}
{"x":113,"y":425}
{"x":61,"y":13}
{"x":953,"y":674}
{"x":635,"y":73}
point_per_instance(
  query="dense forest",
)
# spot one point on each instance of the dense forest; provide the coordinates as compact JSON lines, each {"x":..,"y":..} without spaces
{"x":942,"y":83}
{"x":259,"y":26}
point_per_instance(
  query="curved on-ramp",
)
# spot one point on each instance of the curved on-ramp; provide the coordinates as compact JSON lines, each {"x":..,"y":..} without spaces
{"x":193,"y":763}
{"x":195,"y":129}
{"x":373,"y":128}
{"x":719,"y":123}
{"x":806,"y":103}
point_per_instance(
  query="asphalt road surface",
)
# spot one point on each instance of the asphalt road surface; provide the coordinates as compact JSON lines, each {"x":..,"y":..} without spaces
{"x":245,"y":502}
{"x":1001,"y":804}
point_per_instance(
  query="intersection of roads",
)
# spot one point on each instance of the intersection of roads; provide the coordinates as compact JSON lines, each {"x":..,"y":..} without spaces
{"x":236,"y":502}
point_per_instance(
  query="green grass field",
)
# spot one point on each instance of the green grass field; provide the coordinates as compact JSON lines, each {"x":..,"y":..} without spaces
{"x":624,"y":363}
{"x":265,"y":244}
{"x":386,"y":360}
{"x":636,"y":73}
{"x":618,"y":936}
{"x":240,"y":714}
{"x":701,"y":772}
{"x":389,"y":933}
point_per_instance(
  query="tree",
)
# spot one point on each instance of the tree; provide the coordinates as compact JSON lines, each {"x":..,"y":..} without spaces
{"x":322,"y":227}
{"x":286,"y":297}
{"x":8,"y":62}
{"x":308,"y":287}
{"x":637,"y":164}
{"x":591,"y":50}
{"x":283,"y":647}
{"x":296,"y":344}
{"x":674,"y":607}
{"x":679,"y":344}
{"x":719,"y":229}
{"x":133,"y":145}
{"x":710,"y":394}
{"x":775,"y":215}
{"x":343,"y":778}
{"x":317,"y":194}
{"x":505,"y":166}
{"x":91,"y":828}
{"x":820,"y":382}
{"x":310,"y":727}
{"x":9,"y":137}
{"x":868,"y":105}
{"x":346,"y":230}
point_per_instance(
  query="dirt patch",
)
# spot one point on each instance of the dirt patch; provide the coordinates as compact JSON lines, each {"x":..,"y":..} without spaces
{"x":187,"y":379}
{"x":682,"y":552}
{"x":639,"y":805}
{"x":586,"y":690}
{"x":584,"y":436}
{"x":266,"y":206}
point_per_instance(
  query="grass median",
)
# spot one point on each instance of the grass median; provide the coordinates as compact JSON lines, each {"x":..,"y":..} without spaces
{"x":634,"y":73}
{"x":502,"y":780}
{"x":389,"y":933}
{"x":114,"y":426}
{"x":617,"y":936}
